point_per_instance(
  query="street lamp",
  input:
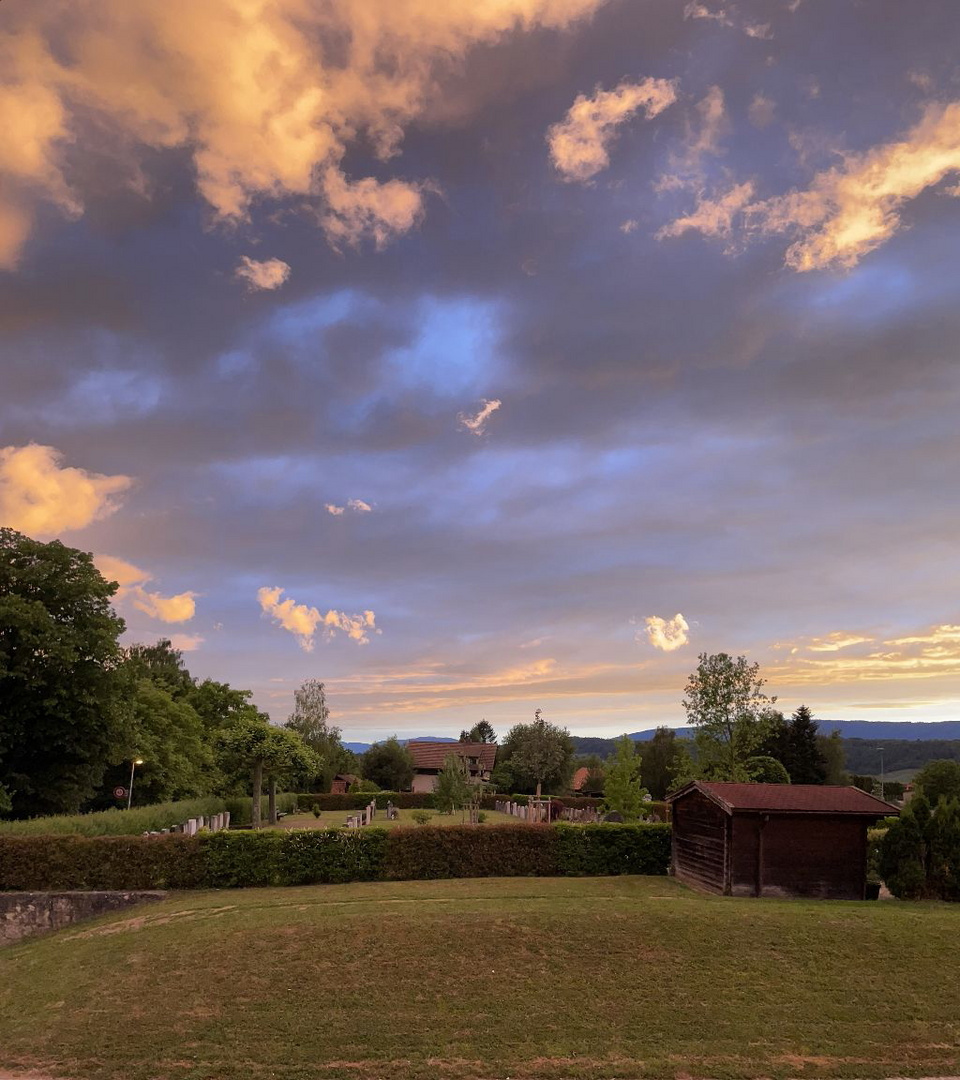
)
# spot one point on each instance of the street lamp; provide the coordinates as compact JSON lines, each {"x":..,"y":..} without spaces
{"x":133,"y":765}
{"x":880,"y":748}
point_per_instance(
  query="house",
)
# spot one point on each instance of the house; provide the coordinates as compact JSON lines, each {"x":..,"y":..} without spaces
{"x":342,"y":783}
{"x":429,"y":757}
{"x":774,"y":839}
{"x":580,"y":785}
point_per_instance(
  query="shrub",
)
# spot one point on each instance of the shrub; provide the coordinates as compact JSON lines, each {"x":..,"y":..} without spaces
{"x":38,"y":863}
{"x":133,"y":822}
{"x":316,"y":810}
{"x":421,"y":817}
{"x":464,"y":851}
{"x":595,"y":850}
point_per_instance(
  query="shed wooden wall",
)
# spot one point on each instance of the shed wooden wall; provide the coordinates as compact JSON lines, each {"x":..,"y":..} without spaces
{"x":699,"y":841}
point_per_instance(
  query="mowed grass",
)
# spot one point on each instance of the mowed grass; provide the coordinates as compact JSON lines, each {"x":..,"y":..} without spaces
{"x":331,"y":819}
{"x":522,"y":978}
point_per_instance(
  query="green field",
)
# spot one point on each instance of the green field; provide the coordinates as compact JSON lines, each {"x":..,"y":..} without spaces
{"x":522,"y":978}
{"x":330,"y":819}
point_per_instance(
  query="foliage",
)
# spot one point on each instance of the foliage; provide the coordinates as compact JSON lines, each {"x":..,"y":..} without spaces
{"x":421,"y":817}
{"x":939,"y":780}
{"x":764,"y":769}
{"x":623,"y":792}
{"x":133,"y":822}
{"x":403,"y":800}
{"x":293,"y":857}
{"x":613,"y":849}
{"x":388,"y":764}
{"x":659,"y":762}
{"x":920,"y":854}
{"x":361,"y":787}
{"x":241,"y":808}
{"x":730,"y":714}
{"x":60,"y":722}
{"x":480,"y":732}
{"x":535,"y":756}
{"x":834,"y":764}
{"x":465,"y":851}
{"x":795,"y":744}
{"x":453,"y":788}
{"x":903,"y":855}
{"x":316,"y":811}
{"x":310,"y":719}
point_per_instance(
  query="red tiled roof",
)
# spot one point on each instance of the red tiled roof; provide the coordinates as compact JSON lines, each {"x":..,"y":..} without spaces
{"x":432,"y":755}
{"x":792,"y":798}
{"x":579,"y":779}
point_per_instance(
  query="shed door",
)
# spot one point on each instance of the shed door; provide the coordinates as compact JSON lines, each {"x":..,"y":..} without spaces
{"x":699,"y":831}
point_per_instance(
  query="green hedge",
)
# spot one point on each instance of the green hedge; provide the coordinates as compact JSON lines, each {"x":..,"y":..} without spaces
{"x":357,"y":800}
{"x":39,"y":863}
{"x":133,"y":822}
{"x":241,"y":810}
{"x":309,"y":856}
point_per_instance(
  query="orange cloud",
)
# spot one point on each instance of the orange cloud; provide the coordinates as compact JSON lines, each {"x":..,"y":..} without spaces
{"x":303,"y":621}
{"x":265,"y":274}
{"x":246,"y":87}
{"x":41,"y":498}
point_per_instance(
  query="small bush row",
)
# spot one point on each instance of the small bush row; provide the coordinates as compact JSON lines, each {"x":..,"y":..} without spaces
{"x":304,"y":857}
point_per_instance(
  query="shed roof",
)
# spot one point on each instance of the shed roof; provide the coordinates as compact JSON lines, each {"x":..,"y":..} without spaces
{"x":432,"y":755}
{"x":790,"y":799}
{"x":579,"y":779}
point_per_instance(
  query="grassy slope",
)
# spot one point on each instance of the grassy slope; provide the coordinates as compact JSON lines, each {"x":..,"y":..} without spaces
{"x":604,"y":977}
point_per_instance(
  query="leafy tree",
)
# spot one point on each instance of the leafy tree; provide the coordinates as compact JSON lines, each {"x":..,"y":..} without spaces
{"x":60,"y":722}
{"x":831,"y":749}
{"x":162,"y":664}
{"x":764,"y":769}
{"x":903,"y":858}
{"x":311,"y":720}
{"x":480,"y":732}
{"x":623,"y":791}
{"x":730,"y":714}
{"x":943,"y":850}
{"x":388,"y":764}
{"x":660,"y":756}
{"x":939,"y":780}
{"x":453,"y":788}
{"x":538,"y":755}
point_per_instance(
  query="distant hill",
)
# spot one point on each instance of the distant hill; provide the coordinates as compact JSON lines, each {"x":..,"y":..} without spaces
{"x":363,"y":747}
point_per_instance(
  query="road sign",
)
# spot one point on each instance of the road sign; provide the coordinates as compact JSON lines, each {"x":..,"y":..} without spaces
{"x":119,"y":792}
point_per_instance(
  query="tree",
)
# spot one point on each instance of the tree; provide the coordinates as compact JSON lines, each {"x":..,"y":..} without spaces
{"x":538,"y":755}
{"x":311,"y":720}
{"x":162,"y":664}
{"x":60,"y":722}
{"x":764,"y":769}
{"x":623,"y":791}
{"x":807,"y":764}
{"x":252,"y":744}
{"x":731,"y":715}
{"x":480,"y":732}
{"x":388,"y":764}
{"x":659,"y":762}
{"x":453,"y":788}
{"x":831,"y":748}
{"x":939,"y":780}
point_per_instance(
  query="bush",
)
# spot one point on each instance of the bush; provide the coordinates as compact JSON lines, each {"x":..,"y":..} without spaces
{"x":464,"y":851}
{"x":241,"y":810}
{"x":40,"y":863}
{"x":316,"y":810}
{"x":601,"y":850}
{"x":293,"y":857}
{"x":421,"y":817}
{"x":133,"y":822}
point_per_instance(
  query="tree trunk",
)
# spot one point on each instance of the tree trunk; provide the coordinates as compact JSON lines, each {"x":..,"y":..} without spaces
{"x":257,"y":790}
{"x":273,"y":799}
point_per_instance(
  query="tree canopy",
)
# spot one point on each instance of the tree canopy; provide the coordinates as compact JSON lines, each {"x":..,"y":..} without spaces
{"x":482,"y":731}
{"x":60,"y":717}
{"x":388,"y":764}
{"x":535,"y":757}
{"x":623,"y":790}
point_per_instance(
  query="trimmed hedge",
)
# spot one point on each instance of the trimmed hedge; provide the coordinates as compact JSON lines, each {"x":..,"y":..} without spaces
{"x":39,"y":863}
{"x":311,"y":856}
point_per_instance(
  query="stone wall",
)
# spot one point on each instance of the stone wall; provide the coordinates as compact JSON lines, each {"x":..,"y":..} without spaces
{"x":26,"y":914}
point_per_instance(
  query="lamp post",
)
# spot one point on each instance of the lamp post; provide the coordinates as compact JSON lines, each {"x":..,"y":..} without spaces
{"x":133,"y":765}
{"x":880,"y":748}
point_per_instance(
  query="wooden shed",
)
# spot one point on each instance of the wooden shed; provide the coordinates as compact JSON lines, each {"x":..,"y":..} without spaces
{"x":774,"y":839}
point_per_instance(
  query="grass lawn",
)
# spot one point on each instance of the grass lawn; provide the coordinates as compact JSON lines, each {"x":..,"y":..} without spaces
{"x":331,"y":818}
{"x":522,"y":978}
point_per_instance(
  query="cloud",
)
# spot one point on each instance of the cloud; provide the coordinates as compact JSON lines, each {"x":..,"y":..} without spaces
{"x":702,"y":140}
{"x":168,"y":609}
{"x":697,"y":10}
{"x":850,"y":210}
{"x":359,"y":505}
{"x":186,"y":642}
{"x":758,"y":30}
{"x":332,"y":508}
{"x":835,"y":642}
{"x":267,"y":98}
{"x":712,"y":217}
{"x":579,"y":142}
{"x":761,"y":110}
{"x":302,"y":621}
{"x":41,"y":498}
{"x":667,"y":634}
{"x":125,"y":574}
{"x":477,"y":423}
{"x":266,"y":274}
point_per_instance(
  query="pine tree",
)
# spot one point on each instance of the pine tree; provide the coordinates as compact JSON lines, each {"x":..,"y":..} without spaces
{"x":623,"y":792}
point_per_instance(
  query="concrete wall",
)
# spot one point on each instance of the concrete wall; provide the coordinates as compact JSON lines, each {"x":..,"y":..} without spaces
{"x":26,"y":914}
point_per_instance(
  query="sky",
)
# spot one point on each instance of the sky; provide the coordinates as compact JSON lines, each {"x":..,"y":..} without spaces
{"x":475,"y":358}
